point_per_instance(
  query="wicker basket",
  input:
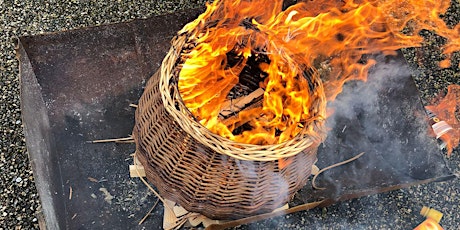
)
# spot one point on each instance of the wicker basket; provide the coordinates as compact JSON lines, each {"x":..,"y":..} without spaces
{"x":209,"y":174}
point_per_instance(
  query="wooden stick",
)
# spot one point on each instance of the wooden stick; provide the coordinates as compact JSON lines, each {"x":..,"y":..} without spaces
{"x":251,"y":219}
{"x":136,"y":171}
{"x":235,"y":105}
{"x":236,"y":119}
{"x":153,"y":190}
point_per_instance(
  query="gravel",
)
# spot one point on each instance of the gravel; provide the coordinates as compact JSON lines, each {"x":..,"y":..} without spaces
{"x":19,"y":203}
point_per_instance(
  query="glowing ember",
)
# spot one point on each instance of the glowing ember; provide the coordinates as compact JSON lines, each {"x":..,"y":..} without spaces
{"x":282,"y":52}
{"x":447,"y":110}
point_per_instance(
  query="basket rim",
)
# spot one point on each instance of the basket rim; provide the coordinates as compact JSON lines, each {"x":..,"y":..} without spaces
{"x":241,"y":151}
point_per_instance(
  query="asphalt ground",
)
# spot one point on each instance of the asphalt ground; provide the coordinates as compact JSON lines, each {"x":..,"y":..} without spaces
{"x":19,"y":201}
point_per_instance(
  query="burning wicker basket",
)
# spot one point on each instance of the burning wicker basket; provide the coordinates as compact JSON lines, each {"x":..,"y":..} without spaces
{"x":209,"y":174}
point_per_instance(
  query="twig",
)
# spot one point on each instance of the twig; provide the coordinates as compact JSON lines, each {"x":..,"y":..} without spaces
{"x":148,"y":213}
{"x":251,"y":219}
{"x":116,"y":140}
{"x":70,"y":192}
{"x":153,"y":190}
{"x":133,"y":105}
{"x":313,"y":184}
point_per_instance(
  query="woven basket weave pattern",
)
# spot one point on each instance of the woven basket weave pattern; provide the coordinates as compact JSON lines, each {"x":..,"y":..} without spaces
{"x":204,"y":172}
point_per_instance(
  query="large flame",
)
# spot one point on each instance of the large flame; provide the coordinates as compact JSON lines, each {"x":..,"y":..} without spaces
{"x":293,"y":46}
{"x":447,"y":109}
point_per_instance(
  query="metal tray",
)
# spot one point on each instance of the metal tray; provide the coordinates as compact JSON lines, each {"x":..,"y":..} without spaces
{"x":76,"y":86}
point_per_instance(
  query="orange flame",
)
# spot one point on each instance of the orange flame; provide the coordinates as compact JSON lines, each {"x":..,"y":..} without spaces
{"x":446,"y":110}
{"x":307,"y":37}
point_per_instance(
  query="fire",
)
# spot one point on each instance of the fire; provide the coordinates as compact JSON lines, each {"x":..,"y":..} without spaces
{"x":284,"y":51}
{"x":447,"y":110}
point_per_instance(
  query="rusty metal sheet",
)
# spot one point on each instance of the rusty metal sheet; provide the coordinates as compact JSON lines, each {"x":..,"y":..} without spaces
{"x":76,"y":86}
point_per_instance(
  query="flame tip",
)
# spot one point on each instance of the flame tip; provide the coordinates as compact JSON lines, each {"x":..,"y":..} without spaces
{"x":233,"y":38}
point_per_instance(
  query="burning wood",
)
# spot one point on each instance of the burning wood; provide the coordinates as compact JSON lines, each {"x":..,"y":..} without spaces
{"x":233,"y":106}
{"x":236,"y":121}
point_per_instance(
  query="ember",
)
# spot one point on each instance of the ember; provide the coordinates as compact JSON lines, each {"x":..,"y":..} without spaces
{"x":243,"y":46}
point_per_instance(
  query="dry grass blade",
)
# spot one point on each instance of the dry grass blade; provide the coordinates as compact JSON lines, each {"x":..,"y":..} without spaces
{"x":313,"y":181}
{"x":153,"y":190}
{"x":148,"y":213}
{"x":116,"y":140}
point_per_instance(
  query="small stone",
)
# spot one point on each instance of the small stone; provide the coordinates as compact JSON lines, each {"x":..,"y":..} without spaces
{"x":18,"y":180}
